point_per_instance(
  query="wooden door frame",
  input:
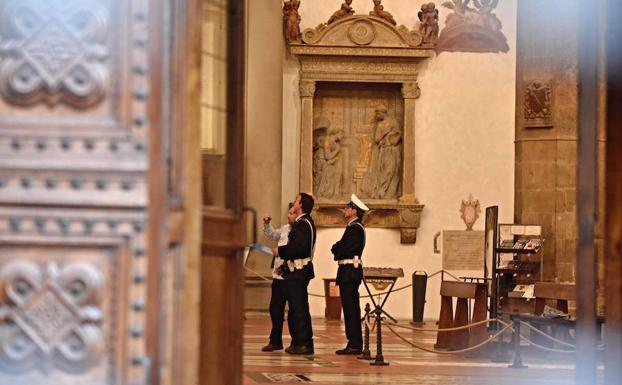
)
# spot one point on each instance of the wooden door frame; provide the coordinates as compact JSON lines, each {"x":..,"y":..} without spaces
{"x":174,"y":210}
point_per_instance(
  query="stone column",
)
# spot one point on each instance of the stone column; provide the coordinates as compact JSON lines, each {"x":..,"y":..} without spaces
{"x":409,"y":209}
{"x":307,"y":90}
{"x":410,"y":92}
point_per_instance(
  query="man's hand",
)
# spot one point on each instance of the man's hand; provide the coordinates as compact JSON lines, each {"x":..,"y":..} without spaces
{"x":267,"y":219}
{"x":275,"y":251}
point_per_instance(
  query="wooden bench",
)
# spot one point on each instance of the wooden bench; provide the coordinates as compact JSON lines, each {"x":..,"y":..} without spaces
{"x":463,"y":291}
{"x":558,"y":328}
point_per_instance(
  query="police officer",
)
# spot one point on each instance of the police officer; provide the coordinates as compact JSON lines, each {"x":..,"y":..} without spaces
{"x":297,"y":272}
{"x":348,"y":251}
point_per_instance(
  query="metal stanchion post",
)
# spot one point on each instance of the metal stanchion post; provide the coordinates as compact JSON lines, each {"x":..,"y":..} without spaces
{"x":500,"y":355}
{"x":379,"y":360}
{"x":518,"y":360}
{"x":366,"y":354}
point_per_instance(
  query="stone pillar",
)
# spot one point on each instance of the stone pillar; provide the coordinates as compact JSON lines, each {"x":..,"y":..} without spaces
{"x":307,"y":90}
{"x":546,"y":130}
{"x":546,"y":135}
{"x":410,"y":92}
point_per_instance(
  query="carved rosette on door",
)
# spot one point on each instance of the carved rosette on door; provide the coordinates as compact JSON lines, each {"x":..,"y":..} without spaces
{"x":53,"y":53}
{"x":52,"y":316}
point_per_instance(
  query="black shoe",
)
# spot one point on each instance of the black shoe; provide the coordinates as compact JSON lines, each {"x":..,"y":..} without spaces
{"x":271,"y":347}
{"x":300,"y":350}
{"x":349,"y":351}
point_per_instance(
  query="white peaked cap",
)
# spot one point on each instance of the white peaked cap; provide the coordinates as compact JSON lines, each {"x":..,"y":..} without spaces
{"x":354,"y":199}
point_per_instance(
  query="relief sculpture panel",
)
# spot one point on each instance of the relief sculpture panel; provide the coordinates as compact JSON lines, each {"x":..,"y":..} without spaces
{"x":357,"y":141}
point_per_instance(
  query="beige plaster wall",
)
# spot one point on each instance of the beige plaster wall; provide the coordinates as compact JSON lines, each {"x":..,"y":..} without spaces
{"x":464,"y":144}
{"x":264,"y":109}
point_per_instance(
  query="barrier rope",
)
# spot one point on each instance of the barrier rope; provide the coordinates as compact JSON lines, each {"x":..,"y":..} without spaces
{"x":468,"y":326}
{"x":530,"y":342}
{"x":269,"y":279}
{"x":474,"y":347}
{"x":546,"y":335}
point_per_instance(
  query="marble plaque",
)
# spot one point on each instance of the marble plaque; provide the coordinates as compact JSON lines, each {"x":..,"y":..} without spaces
{"x":463,"y":250}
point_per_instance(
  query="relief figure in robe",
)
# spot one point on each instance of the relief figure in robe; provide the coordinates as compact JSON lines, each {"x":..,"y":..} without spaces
{"x":327,"y":160}
{"x":382,"y":180}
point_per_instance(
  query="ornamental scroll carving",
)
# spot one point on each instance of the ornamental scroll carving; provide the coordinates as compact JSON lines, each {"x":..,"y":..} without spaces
{"x":50,"y":316}
{"x":53,"y":52}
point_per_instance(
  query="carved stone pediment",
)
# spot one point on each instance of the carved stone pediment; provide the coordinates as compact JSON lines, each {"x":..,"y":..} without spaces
{"x":361,"y":30}
{"x":358,"y":87}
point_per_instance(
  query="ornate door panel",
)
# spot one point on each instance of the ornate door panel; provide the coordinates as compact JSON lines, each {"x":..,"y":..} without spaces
{"x":74,"y":128}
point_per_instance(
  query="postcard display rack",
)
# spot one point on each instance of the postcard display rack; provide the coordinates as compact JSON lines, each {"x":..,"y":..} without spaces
{"x":517,"y":263}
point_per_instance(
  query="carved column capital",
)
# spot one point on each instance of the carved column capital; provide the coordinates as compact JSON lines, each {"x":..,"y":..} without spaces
{"x":411,"y":90}
{"x":307,"y":88}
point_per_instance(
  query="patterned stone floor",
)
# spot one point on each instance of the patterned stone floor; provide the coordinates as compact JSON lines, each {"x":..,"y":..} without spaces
{"x":407,"y":365}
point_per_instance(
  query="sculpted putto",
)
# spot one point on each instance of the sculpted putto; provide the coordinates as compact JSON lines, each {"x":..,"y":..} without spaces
{"x":291,"y":20}
{"x":345,"y":11}
{"x":428,"y":27}
{"x":381,"y":13}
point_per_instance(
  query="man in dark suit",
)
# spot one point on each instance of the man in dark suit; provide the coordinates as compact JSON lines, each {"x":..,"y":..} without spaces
{"x":348,"y":251}
{"x":297,"y":272}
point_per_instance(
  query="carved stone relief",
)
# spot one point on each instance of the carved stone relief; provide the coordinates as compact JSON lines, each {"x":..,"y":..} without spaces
{"x":358,"y":128}
{"x":327,"y":159}
{"x":537,"y":104}
{"x":53,"y":52}
{"x":358,"y":86}
{"x":470,"y":29}
{"x":383,"y":177}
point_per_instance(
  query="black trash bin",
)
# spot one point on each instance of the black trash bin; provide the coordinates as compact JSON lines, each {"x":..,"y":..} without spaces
{"x":420,"y":282}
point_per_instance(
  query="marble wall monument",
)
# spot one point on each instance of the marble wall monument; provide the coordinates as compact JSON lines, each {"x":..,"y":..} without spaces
{"x":358,"y":87}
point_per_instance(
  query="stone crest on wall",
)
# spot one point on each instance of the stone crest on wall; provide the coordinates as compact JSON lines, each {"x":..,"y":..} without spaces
{"x":537,"y":102}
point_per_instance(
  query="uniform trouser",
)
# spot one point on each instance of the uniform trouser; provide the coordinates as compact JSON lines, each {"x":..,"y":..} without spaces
{"x":299,"y":318}
{"x":278,"y":299}
{"x":349,"y":293}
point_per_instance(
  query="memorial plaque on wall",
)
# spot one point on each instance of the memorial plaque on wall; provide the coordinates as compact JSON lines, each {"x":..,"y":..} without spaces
{"x":463,"y":250}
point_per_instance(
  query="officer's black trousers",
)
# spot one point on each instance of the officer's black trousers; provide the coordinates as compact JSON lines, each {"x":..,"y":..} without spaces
{"x":349,"y":292}
{"x":278,"y":300}
{"x":299,"y":319}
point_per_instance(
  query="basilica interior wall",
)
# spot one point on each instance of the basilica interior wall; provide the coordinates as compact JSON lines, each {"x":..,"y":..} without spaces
{"x":464,"y":144}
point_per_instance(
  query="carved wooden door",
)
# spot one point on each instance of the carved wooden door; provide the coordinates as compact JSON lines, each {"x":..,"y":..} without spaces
{"x":85,"y":140}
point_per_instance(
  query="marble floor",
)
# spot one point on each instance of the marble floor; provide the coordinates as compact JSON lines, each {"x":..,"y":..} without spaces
{"x":407,"y":365}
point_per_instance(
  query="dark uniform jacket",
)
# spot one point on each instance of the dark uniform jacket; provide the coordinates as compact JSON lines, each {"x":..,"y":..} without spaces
{"x":350,"y":245}
{"x":300,"y":243}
